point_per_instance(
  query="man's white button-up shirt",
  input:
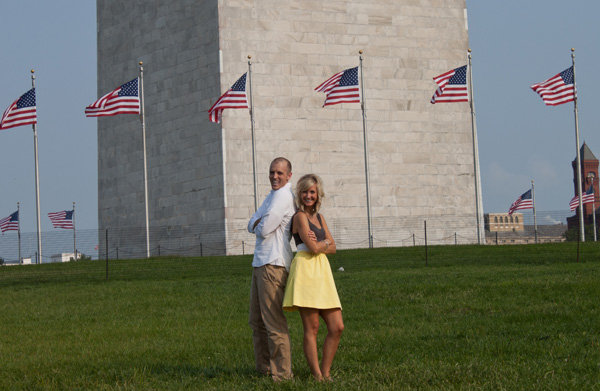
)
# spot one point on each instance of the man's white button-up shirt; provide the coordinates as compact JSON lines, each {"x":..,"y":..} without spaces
{"x":273,"y":231}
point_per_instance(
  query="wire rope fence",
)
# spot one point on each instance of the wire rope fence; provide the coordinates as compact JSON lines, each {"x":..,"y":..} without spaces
{"x":95,"y":248}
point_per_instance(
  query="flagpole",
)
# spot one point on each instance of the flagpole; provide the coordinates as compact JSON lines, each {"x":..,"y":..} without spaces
{"x":478,"y":201}
{"x":534,"y":214}
{"x":143,"y":120}
{"x":578,"y":159}
{"x":252,"y":130}
{"x":19,"y":231}
{"x":366,"y":148}
{"x":594,"y":208}
{"x":74,"y":237}
{"x":37,"y":180}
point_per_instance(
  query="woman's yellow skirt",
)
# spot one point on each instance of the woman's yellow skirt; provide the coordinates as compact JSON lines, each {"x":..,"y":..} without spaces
{"x":310,"y":283}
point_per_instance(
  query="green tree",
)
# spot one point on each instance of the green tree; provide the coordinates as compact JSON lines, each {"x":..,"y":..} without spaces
{"x":572,"y":234}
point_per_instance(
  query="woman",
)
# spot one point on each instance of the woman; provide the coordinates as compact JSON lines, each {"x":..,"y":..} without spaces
{"x":310,"y":287}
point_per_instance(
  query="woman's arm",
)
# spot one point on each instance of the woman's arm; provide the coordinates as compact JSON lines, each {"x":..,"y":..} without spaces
{"x":331,"y":249}
{"x":301,"y":224}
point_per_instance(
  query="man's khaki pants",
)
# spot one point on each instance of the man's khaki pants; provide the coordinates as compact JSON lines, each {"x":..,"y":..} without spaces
{"x":270,"y":331}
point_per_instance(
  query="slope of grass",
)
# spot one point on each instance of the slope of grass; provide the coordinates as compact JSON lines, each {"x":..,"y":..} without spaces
{"x":476,"y":317}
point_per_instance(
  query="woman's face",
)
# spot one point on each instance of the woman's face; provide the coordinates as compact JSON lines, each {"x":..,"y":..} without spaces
{"x":309,"y":196}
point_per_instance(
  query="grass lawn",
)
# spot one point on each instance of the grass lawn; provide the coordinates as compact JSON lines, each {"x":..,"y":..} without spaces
{"x":475,"y":317}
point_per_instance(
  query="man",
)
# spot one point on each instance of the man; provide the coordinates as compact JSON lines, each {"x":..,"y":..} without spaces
{"x":272,"y":257}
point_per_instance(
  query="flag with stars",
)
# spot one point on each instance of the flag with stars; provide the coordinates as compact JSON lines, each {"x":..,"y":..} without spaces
{"x":233,"y":98}
{"x":525,"y":201}
{"x":452,"y":86}
{"x":10,"y":223}
{"x":341,"y":87}
{"x":123,"y":100}
{"x":587,"y":198}
{"x":558,"y":89}
{"x":62,"y":219}
{"x":21,"y":112}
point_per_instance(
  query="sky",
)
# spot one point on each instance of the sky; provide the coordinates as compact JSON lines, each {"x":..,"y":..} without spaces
{"x":514,"y":45}
{"x":58,"y":40}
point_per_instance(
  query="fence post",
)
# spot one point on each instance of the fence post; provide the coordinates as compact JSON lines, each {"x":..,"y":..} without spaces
{"x":159,"y":250}
{"x":200,"y":249}
{"x":117,"y":252}
{"x":243,"y":252}
{"x":414,"y":244}
{"x":106,"y":254}
{"x":425,"y":229}
{"x":496,"y":238}
{"x":578,"y":241}
{"x":455,"y":241}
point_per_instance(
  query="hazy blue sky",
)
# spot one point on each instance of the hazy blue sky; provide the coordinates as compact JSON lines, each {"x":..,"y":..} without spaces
{"x":58,"y":40}
{"x":515,"y":44}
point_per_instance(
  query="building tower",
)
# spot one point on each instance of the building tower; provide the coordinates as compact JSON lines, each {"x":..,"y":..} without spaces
{"x":589,"y":175}
{"x":200,"y":179}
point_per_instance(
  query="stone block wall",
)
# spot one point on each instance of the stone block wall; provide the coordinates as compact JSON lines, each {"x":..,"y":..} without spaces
{"x":178,"y":43}
{"x":420,"y":155}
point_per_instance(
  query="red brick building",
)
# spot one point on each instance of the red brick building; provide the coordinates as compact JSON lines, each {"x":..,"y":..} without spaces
{"x":589,"y":177}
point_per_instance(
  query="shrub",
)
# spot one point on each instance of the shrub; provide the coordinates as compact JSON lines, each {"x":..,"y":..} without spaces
{"x":572,"y":234}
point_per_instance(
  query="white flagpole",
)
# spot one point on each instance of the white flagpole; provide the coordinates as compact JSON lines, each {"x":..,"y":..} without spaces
{"x":37,"y":179}
{"x":478,"y":200}
{"x":74,"y":237}
{"x":143,"y":119}
{"x":366,"y":149}
{"x":252,"y":130}
{"x":19,"y":231}
{"x":594,"y":219}
{"x":534,"y":214}
{"x":578,"y":159}
{"x":594,"y":209}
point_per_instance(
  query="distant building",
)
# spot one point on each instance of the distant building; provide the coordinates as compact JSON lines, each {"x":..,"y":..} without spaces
{"x":503,"y":222}
{"x":589,"y":176}
{"x":502,"y":228}
{"x":545,"y":234}
{"x":24,"y":261}
{"x":63,"y":257}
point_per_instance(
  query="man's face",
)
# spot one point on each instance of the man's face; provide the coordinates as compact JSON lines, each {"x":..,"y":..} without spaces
{"x":279,"y":175}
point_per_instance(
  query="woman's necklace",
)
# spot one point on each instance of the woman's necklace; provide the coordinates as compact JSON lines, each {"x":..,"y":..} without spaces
{"x":313,"y":219}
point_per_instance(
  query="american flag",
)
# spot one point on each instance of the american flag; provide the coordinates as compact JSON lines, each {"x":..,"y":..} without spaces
{"x":523,"y":202}
{"x":123,"y":100}
{"x":21,"y":112}
{"x":10,"y":223}
{"x":586,"y":198}
{"x":452,"y":86}
{"x":558,"y":89}
{"x":62,"y":219}
{"x":341,"y":87}
{"x":233,"y":98}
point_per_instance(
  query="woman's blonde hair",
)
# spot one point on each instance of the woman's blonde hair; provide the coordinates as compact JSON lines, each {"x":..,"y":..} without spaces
{"x":305,"y":183}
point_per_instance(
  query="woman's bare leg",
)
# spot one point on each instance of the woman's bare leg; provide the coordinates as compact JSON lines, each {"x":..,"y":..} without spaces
{"x":310,"y":322}
{"x":335,"y":327}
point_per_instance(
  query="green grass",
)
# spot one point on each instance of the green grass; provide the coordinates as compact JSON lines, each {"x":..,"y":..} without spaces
{"x":476,"y":317}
